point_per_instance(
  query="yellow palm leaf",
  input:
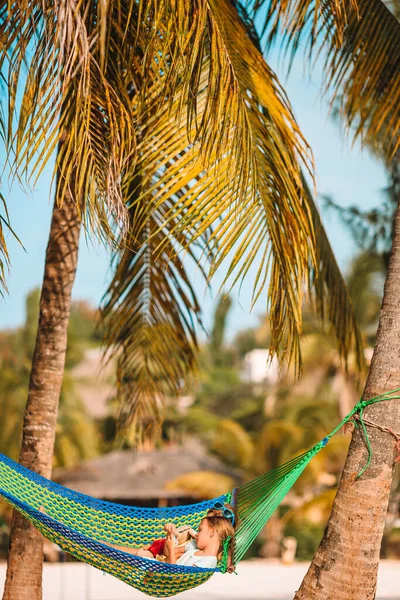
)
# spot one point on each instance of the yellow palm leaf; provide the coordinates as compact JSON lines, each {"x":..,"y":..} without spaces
{"x":235,"y":146}
{"x":361,"y":41}
{"x":169,"y":109}
{"x":148,"y":317}
{"x":66,"y":59}
{"x":330,"y":293}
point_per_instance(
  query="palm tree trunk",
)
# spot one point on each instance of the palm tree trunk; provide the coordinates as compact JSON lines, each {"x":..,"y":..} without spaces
{"x":346,"y":563}
{"x":24,"y":570}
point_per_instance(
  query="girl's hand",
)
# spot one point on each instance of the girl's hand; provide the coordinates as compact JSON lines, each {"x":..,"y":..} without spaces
{"x":193,"y":533}
{"x":170,"y":528}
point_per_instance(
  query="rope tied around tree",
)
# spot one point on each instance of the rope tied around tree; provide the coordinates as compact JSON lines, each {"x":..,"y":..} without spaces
{"x":396,"y":435}
{"x":257,"y":499}
{"x":357,"y":415}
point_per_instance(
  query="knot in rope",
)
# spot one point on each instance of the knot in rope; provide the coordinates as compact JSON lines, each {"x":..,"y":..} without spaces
{"x":363,"y":423}
{"x":357,"y":415}
{"x":366,"y":440}
{"x":361,"y":405}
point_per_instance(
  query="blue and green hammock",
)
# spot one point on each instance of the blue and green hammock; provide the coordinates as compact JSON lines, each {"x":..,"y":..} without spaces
{"x":79,"y":524}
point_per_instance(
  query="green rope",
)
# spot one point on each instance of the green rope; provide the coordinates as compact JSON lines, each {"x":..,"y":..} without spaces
{"x":359,"y":408}
{"x":225,"y":553}
{"x":256,"y":500}
{"x":225,"y":549}
{"x":367,"y":442}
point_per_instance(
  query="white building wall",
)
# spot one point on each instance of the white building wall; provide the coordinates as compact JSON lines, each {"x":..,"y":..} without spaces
{"x":258,"y":367}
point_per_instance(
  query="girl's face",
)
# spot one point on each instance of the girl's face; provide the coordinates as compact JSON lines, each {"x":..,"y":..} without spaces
{"x":205,"y":535}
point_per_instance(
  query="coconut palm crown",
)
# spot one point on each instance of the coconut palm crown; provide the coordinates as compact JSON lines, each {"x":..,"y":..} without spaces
{"x":179,"y":133}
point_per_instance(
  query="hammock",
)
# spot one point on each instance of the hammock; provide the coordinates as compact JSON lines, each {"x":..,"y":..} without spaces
{"x":79,"y":524}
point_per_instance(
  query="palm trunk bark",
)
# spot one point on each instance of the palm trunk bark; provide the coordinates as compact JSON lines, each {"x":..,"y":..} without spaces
{"x":345,"y":565}
{"x":24,"y":569}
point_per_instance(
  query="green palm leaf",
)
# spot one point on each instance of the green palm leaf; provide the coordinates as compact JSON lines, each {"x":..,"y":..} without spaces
{"x":4,"y":256}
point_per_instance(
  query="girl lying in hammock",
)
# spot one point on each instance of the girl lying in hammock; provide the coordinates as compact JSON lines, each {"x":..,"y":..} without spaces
{"x":184,"y":546}
{"x":204,"y":547}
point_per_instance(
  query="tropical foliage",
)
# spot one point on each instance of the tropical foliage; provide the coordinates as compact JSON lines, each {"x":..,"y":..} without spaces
{"x":360,"y":43}
{"x":76,"y":436}
{"x":235,"y":419}
{"x":172,"y":131}
{"x":190,"y":154}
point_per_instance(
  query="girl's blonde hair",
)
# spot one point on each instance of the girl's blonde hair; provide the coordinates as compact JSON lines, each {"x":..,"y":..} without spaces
{"x":217,"y":512}
{"x":222,"y":526}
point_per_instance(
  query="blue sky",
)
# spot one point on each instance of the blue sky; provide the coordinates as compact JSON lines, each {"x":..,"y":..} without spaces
{"x":348,"y":175}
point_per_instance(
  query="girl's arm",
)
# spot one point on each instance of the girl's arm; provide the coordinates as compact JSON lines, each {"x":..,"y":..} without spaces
{"x":170,"y":528}
{"x":193,"y":533}
{"x":170,"y":549}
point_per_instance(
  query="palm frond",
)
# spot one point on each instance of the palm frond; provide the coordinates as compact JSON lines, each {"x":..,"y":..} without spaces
{"x":234,"y":444}
{"x":177,"y":93}
{"x":64,"y":61}
{"x":4,"y":221}
{"x":236,"y":145}
{"x":330,"y":293}
{"x":361,"y":42}
{"x":4,"y":256}
{"x":149,"y":313}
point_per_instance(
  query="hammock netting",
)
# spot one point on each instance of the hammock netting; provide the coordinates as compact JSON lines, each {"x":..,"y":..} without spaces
{"x":82,"y":525}
{"x":79,"y":524}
